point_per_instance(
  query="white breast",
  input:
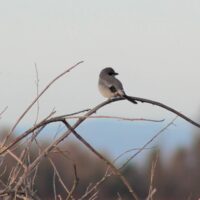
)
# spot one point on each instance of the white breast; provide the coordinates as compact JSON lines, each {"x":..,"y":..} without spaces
{"x":105,"y":91}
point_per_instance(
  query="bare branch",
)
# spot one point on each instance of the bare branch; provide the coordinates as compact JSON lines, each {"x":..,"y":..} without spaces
{"x":147,"y":143}
{"x":37,"y":92}
{"x":115,"y":117}
{"x":114,"y":169}
{"x":128,"y":151}
{"x":41,"y":93}
{"x":151,"y":189}
{"x":59,"y":178}
{"x":76,"y":180}
{"x":43,"y":123}
{"x":4,"y":110}
{"x":143,"y":100}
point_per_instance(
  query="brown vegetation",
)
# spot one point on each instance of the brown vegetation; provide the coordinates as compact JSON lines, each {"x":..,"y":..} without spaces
{"x":178,"y":179}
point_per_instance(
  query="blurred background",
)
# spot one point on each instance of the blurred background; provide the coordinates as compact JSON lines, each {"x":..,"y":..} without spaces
{"x":153,"y":45}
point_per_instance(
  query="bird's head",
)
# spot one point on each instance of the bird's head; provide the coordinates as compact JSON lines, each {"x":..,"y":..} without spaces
{"x":108,"y":71}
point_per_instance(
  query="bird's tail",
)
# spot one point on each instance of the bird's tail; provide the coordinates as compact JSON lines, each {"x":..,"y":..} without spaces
{"x":129,"y":98}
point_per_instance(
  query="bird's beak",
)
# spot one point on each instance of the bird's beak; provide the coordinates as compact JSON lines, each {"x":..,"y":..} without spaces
{"x":116,"y":74}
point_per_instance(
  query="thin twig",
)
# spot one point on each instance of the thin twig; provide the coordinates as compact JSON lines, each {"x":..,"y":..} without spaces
{"x":107,"y":174}
{"x":39,"y":95}
{"x":147,"y":143}
{"x":76,"y":180}
{"x":89,"y":191}
{"x":114,"y":169}
{"x":54,"y":184}
{"x":115,"y":117}
{"x":59,"y":177}
{"x":151,"y":194}
{"x":4,"y":110}
{"x":37,"y":92}
{"x":130,"y":150}
{"x":43,"y":123}
{"x":152,"y":174}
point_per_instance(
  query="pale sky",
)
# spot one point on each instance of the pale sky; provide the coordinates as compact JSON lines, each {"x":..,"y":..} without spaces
{"x":153,"y":45}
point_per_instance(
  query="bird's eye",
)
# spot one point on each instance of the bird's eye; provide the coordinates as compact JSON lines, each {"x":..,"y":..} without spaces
{"x":110,"y":73}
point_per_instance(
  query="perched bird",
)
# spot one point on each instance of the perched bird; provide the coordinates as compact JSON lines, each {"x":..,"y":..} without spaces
{"x":111,"y":87}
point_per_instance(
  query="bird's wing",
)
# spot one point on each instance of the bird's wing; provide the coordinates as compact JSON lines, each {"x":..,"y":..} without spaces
{"x":114,"y":84}
{"x":112,"y":89}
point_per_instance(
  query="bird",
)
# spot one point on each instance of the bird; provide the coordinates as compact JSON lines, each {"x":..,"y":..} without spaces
{"x":110,"y":87}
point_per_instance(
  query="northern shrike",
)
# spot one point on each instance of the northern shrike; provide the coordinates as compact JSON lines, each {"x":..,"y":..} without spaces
{"x":110,"y":86}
